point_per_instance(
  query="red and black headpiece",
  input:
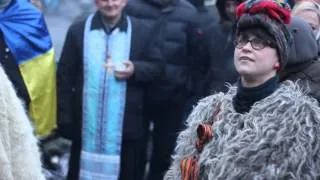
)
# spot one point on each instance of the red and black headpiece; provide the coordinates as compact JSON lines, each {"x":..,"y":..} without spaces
{"x":271,"y":16}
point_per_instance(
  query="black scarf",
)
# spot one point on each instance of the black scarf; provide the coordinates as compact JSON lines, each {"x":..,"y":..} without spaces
{"x":246,"y":97}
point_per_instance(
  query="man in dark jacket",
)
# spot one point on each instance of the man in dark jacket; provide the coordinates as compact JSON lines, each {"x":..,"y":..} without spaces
{"x":102,"y":77}
{"x":172,"y":24}
{"x":206,"y":16}
{"x":208,"y":49}
{"x":303,"y":64}
{"x":219,"y":38}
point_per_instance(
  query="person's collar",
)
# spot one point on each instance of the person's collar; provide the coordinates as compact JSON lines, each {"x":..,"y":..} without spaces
{"x":246,"y":97}
{"x":272,"y":82}
{"x":97,"y":23}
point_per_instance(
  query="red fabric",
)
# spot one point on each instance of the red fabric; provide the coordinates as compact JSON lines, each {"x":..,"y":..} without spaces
{"x":189,"y":169}
{"x":189,"y":166}
{"x":204,"y":132}
{"x":269,"y":7}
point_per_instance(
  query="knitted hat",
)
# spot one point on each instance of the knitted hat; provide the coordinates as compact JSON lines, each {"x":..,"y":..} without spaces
{"x":271,"y":16}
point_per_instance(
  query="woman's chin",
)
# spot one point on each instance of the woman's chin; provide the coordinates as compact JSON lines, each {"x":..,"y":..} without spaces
{"x":244,"y":71}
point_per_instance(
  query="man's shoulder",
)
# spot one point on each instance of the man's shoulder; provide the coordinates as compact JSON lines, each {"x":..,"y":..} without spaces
{"x":138,"y":5}
{"x":187,"y":5}
{"x":141,"y":9}
{"x":78,"y":24}
{"x":76,"y":29}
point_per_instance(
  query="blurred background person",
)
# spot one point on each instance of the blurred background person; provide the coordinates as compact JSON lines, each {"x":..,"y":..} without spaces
{"x":302,"y":63}
{"x":204,"y":40}
{"x":220,"y":47}
{"x":309,"y":11}
{"x":102,"y":80}
{"x":205,"y":15}
{"x":173,"y":23}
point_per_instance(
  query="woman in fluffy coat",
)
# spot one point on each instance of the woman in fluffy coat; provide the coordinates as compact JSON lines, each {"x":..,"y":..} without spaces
{"x":19,"y":154}
{"x":259,"y":129}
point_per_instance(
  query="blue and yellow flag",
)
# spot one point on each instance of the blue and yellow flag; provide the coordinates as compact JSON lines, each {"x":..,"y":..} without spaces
{"x":26,"y":34}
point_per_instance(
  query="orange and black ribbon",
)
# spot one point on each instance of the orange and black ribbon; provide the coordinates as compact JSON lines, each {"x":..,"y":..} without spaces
{"x":189,"y":168}
{"x":204,"y":132}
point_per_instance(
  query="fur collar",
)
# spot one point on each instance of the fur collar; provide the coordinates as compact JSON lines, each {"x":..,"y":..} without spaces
{"x":277,"y":139}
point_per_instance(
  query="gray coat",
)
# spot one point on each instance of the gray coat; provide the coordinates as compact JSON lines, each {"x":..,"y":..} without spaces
{"x":277,"y":139}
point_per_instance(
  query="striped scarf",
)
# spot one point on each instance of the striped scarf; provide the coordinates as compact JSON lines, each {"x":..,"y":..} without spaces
{"x":104,"y":100}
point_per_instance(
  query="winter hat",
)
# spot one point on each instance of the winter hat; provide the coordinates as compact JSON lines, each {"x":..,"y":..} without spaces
{"x":271,"y":16}
{"x":304,"y":47}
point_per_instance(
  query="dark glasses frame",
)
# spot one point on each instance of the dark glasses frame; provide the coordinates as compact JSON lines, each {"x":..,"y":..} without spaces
{"x":255,"y":43}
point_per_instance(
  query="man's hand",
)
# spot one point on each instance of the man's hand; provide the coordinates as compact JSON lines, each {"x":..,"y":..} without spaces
{"x":125,"y":73}
{"x":53,"y":147}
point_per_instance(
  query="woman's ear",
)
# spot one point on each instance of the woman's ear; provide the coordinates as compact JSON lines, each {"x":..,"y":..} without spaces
{"x":276,"y":66}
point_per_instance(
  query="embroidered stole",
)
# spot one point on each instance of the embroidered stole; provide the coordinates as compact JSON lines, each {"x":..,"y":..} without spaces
{"x":104,"y":100}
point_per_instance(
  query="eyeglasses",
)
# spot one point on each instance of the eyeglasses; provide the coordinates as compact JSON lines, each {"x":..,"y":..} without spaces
{"x":256,"y":43}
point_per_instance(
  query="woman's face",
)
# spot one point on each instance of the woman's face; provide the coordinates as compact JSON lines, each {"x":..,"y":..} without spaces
{"x":311,"y":18}
{"x":255,"y":59}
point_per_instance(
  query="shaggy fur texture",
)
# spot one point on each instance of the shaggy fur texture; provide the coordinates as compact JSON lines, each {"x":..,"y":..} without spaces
{"x":277,"y":139}
{"x":19,"y":154}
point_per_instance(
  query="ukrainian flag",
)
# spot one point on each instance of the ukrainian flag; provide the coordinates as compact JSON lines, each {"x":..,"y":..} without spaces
{"x":26,"y":34}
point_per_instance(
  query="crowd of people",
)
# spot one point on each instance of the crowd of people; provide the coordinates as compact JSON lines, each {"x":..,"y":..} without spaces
{"x":229,"y":97}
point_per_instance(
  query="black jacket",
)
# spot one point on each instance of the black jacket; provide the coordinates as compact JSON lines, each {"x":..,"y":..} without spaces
{"x":174,"y":42}
{"x":12,"y":70}
{"x":70,"y":86}
{"x":219,"y":44}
